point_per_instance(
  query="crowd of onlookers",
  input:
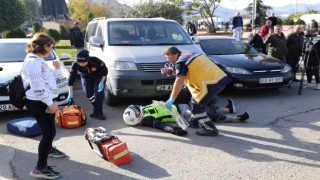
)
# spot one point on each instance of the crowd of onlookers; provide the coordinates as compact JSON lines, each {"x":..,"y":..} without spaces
{"x":297,"y":45}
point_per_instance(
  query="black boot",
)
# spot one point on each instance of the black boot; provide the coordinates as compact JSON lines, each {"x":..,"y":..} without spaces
{"x":207,"y":128}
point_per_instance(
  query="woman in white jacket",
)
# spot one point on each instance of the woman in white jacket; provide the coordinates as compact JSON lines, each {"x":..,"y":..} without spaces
{"x":39,"y":98}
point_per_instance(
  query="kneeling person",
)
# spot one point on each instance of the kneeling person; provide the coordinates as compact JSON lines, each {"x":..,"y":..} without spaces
{"x":154,"y":116}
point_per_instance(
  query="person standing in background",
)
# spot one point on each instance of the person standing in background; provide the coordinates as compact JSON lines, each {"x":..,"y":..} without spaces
{"x":314,"y":24}
{"x":237,"y":26}
{"x":255,"y":40}
{"x":294,"y":45}
{"x":192,"y":30}
{"x":274,"y":20}
{"x":257,"y":20}
{"x":76,"y":37}
{"x":276,"y":43}
{"x":312,"y":59}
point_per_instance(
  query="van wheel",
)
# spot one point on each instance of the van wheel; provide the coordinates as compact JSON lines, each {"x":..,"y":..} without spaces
{"x":110,"y":99}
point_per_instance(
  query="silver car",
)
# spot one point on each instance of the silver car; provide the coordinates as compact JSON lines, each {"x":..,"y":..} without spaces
{"x":12,"y":54}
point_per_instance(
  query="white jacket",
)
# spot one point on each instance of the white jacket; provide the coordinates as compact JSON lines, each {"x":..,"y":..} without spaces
{"x":37,"y":74}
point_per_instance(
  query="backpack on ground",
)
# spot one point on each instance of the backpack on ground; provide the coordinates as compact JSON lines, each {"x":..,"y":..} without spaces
{"x":108,"y":146}
{"x":71,"y":116}
{"x":17,"y":93}
{"x":24,"y":126}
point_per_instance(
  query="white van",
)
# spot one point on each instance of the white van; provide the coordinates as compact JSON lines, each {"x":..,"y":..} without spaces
{"x":132,"y":50}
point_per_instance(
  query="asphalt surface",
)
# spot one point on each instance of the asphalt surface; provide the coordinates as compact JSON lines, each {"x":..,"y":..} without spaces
{"x":279,"y":141}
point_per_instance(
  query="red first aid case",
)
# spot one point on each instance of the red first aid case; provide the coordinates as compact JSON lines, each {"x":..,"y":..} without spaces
{"x":108,"y":146}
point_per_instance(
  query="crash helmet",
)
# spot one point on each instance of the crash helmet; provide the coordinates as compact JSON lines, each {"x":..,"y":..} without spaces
{"x":133,"y":115}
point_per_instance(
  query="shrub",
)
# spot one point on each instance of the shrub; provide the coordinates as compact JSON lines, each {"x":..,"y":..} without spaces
{"x":54,"y":34}
{"x":64,"y":33}
{"x":300,"y":22}
{"x":15,"y":33}
{"x":36,"y":27}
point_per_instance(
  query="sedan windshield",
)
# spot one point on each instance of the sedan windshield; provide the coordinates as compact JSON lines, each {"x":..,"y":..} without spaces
{"x":140,"y":33}
{"x":16,"y":52}
{"x":226,"y":47}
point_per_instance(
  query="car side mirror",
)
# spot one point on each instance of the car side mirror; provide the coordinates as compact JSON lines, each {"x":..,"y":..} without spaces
{"x":96,"y":41}
{"x":1,"y":68}
{"x":65,"y":56}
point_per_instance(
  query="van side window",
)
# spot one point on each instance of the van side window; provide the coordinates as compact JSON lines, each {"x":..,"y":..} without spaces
{"x":91,"y":29}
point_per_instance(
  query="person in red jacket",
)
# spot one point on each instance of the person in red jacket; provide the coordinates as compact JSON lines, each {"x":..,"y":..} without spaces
{"x":265,"y":29}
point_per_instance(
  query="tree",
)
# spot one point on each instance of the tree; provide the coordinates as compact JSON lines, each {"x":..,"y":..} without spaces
{"x":178,"y":3}
{"x":30,"y":8}
{"x":206,"y":9}
{"x":261,"y":9}
{"x":80,"y":8}
{"x":12,"y":14}
{"x":148,"y":10}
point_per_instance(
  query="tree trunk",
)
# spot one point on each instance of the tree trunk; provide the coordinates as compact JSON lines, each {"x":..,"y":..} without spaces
{"x":210,"y":29}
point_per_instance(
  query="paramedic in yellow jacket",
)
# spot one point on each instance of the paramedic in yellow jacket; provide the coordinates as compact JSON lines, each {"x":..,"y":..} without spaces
{"x":204,"y":80}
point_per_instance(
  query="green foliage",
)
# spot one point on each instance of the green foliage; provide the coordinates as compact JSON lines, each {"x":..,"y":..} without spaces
{"x":64,"y":33}
{"x":54,"y":34}
{"x":148,"y":10}
{"x":30,"y":8}
{"x":12,"y":14}
{"x":36,"y":27}
{"x":261,"y":9}
{"x":206,"y":9}
{"x":15,"y":33}
{"x":288,"y":21}
{"x":300,"y":22}
{"x":90,"y":16}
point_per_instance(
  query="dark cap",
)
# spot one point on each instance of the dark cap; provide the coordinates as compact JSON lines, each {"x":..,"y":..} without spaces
{"x":82,"y":55}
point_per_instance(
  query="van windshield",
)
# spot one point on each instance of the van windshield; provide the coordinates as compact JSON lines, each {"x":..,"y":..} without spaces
{"x":140,"y":33}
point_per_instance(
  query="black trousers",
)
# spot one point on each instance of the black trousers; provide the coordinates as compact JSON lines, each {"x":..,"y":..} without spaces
{"x":312,"y":71}
{"x":48,"y":129}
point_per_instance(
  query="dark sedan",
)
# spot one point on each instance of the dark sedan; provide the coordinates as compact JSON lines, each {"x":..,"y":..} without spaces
{"x":247,"y":68}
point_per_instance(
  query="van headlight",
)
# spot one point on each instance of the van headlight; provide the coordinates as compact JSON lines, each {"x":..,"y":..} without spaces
{"x":123,"y":66}
{"x":286,"y":69}
{"x":234,"y":70}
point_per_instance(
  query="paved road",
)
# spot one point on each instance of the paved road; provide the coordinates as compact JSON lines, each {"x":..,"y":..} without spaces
{"x":280,"y":141}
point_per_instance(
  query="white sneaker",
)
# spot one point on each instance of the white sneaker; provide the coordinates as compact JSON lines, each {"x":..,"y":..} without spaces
{"x":308,"y":86}
{"x":317,"y":86}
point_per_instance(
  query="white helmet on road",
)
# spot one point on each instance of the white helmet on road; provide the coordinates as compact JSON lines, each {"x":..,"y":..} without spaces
{"x":133,"y":115}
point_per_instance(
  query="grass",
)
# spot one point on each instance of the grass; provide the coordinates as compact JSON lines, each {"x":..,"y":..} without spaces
{"x":63,"y":46}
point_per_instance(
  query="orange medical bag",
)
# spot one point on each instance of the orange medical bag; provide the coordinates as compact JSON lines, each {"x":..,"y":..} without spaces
{"x":71,"y":116}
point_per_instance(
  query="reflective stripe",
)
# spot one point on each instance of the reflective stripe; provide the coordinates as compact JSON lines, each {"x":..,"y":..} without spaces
{"x":73,"y":122}
{"x":204,"y":114}
{"x":204,"y":124}
{"x":121,"y":154}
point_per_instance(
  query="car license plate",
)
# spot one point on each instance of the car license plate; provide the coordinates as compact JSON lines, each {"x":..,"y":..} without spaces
{"x":7,"y":107}
{"x":270,"y":80}
{"x":164,"y":88}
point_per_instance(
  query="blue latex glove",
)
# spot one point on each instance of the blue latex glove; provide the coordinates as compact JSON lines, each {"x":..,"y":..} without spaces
{"x":169,"y":103}
{"x":70,"y":97}
{"x":100,"y":87}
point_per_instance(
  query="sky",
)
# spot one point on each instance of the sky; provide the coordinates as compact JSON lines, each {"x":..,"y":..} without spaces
{"x":240,"y":4}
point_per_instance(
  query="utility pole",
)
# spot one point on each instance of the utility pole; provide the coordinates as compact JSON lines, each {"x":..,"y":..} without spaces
{"x":254,"y":11}
{"x":37,"y":9}
{"x":296,"y":7}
